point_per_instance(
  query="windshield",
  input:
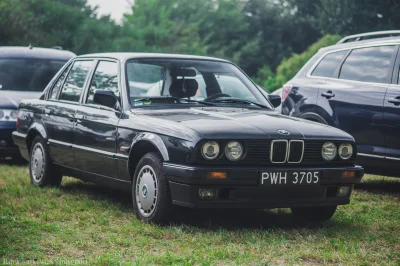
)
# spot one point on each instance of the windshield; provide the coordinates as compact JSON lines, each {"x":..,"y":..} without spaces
{"x":198,"y":80}
{"x":27,"y":74}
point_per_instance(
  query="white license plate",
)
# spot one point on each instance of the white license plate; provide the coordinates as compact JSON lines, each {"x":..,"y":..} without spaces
{"x":269,"y":178}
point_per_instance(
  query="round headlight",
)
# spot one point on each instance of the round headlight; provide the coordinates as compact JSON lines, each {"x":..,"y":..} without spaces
{"x":345,"y":151}
{"x":210,"y":150}
{"x":328,"y":151}
{"x":14,"y":114}
{"x":1,"y":114}
{"x":234,"y":151}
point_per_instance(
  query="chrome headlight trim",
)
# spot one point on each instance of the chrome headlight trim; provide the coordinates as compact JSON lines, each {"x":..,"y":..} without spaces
{"x":328,"y":151}
{"x":346,"y":148}
{"x":210,"y":150}
{"x":8,"y":115}
{"x":229,"y":153}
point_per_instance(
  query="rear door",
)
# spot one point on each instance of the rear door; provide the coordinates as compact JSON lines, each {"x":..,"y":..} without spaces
{"x":59,"y":112}
{"x":354,"y":96}
{"x":392,"y":115}
{"x":95,"y":132}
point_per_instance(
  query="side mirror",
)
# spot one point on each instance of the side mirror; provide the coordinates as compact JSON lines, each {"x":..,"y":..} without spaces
{"x":105,"y":97}
{"x":275,"y":100}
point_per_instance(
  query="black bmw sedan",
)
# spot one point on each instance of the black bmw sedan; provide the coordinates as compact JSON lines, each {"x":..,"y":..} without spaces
{"x":179,"y":130}
{"x":24,"y":74}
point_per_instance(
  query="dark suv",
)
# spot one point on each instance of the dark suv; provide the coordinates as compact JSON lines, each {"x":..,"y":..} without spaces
{"x":24,"y":74}
{"x":182,"y":130}
{"x":354,"y":86}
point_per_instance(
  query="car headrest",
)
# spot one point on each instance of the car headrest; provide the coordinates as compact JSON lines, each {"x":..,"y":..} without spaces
{"x":183,"y":88}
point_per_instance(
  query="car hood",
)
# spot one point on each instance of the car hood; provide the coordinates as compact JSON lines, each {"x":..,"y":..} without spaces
{"x":11,"y":99}
{"x":242,"y":123}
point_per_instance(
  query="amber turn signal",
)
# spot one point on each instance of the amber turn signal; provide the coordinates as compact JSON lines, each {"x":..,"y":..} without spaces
{"x":217,"y":175}
{"x":349,"y":174}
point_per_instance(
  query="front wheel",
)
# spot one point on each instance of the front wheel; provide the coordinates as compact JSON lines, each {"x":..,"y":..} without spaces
{"x":314,"y":214}
{"x":150,"y":190}
{"x":42,"y":170}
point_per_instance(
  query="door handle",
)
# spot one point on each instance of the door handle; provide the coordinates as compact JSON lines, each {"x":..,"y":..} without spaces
{"x":79,"y":117}
{"x":328,"y":94}
{"x":395,"y":101}
{"x":47,"y":112}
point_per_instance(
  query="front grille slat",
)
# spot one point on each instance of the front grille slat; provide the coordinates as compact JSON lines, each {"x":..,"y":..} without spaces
{"x":296,"y":151}
{"x":279,"y":150}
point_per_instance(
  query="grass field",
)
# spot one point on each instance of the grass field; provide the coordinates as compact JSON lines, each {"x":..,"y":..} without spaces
{"x":82,"y":223}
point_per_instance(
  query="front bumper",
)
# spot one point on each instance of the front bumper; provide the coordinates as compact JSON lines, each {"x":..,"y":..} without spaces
{"x":7,"y":146}
{"x":242,"y":187}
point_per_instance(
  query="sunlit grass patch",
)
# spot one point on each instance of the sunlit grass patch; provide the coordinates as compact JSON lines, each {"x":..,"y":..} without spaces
{"x":91,"y":224}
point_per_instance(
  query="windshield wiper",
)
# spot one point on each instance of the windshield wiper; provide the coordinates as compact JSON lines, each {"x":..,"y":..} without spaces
{"x":171,"y":99}
{"x":237,"y":100}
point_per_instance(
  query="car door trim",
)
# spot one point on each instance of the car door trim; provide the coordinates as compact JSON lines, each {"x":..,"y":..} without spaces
{"x":97,"y":151}
{"x":60,"y":143}
{"x":371,"y":155}
{"x":392,"y":158}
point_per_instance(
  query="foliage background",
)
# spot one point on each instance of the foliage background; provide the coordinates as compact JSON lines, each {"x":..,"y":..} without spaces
{"x":269,"y":39}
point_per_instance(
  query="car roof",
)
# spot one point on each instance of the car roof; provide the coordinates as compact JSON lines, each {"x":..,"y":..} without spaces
{"x":375,"y":41}
{"x":126,"y":56}
{"x":35,"y":52}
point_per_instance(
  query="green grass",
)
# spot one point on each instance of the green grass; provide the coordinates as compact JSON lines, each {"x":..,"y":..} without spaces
{"x":86,"y":224}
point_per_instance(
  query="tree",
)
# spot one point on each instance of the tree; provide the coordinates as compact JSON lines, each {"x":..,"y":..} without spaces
{"x":152,"y":27}
{"x":68,"y":23}
{"x":348,"y":16}
{"x":290,"y":66}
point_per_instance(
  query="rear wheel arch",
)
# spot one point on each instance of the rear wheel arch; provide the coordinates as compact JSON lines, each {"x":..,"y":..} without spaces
{"x":145,"y":143}
{"x":313,"y":117}
{"x":317,"y":114}
{"x":32,"y":134}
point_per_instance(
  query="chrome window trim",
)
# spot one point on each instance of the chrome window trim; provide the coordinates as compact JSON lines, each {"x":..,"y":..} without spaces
{"x":272,"y":150}
{"x":288,"y":151}
{"x":309,"y":72}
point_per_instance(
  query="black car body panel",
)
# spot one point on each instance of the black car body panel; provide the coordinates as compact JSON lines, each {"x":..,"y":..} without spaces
{"x":103,"y":145}
{"x":10,"y":99}
{"x":360,"y":103}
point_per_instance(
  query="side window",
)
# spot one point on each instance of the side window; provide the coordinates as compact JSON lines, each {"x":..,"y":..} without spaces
{"x":57,"y":87}
{"x":73,"y":86}
{"x":105,"y":78}
{"x":327,"y":66}
{"x":369,"y":64}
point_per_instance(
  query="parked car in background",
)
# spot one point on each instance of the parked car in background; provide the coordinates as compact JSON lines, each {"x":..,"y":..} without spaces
{"x":200,"y":134}
{"x":354,"y":86}
{"x":24,"y":74}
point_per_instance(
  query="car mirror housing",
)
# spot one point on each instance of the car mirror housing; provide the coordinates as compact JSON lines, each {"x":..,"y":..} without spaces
{"x":275,"y":100}
{"x":105,"y":97}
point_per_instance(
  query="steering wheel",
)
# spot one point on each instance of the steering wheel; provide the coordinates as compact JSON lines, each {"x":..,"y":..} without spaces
{"x":216,"y":96}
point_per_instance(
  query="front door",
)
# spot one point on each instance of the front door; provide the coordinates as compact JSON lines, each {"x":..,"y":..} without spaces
{"x":96,"y":131}
{"x":355,"y":96}
{"x":60,"y":109}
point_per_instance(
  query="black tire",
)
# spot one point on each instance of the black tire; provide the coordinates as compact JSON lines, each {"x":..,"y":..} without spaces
{"x":314,"y":214}
{"x":150,"y":168}
{"x":41,"y":170}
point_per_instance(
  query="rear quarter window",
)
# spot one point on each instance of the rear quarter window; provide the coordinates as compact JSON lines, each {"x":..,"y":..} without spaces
{"x":327,"y":66}
{"x":370,"y":64}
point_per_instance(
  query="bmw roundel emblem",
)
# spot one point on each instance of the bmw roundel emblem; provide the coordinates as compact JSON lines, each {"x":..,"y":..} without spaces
{"x":283,"y":132}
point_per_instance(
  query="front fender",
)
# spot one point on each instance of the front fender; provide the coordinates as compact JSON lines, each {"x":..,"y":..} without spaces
{"x":152,"y":138}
